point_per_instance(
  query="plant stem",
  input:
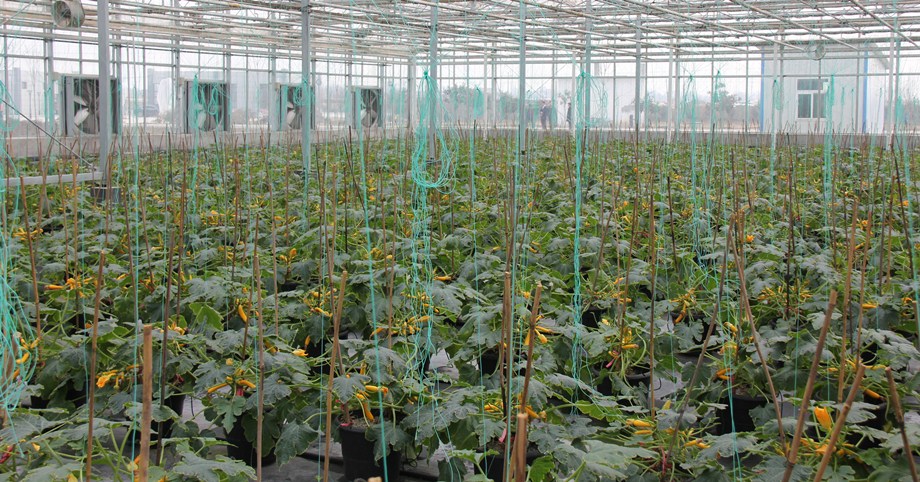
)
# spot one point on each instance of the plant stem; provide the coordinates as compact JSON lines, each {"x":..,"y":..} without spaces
{"x":838,"y":424}
{"x":793,"y":452}
{"x":899,"y":416}
{"x":147,"y":405}
{"x":335,"y":350}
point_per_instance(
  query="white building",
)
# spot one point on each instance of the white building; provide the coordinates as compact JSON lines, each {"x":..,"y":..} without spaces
{"x":802,"y":94}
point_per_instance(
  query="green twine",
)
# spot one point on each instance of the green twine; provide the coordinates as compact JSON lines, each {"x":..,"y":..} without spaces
{"x":585,"y":86}
{"x":16,"y":335}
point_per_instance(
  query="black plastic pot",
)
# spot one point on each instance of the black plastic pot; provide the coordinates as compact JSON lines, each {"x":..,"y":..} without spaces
{"x":74,"y":396}
{"x":636,"y":379}
{"x":740,"y":412}
{"x":358,"y":456}
{"x":241,"y":448}
{"x":494,"y":465}
{"x":288,"y":286}
{"x":176,"y":402}
{"x":877,"y":422}
{"x":592,"y":316}
{"x":488,"y":362}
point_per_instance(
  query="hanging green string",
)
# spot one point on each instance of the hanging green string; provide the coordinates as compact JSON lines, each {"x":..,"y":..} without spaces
{"x":17,"y":339}
{"x":586,"y":89}
{"x":828,"y":156}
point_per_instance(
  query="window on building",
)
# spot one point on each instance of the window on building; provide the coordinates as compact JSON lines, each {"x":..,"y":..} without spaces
{"x":811,"y":98}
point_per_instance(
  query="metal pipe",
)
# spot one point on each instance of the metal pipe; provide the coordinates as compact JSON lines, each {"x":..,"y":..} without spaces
{"x":433,"y":74}
{"x":105,"y":89}
{"x":306,"y":64}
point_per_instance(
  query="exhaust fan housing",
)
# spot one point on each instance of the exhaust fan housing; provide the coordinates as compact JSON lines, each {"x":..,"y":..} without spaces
{"x":67,"y":13}
{"x":288,"y":106}
{"x":367,"y":107}
{"x":80,"y":109}
{"x":205,"y":106}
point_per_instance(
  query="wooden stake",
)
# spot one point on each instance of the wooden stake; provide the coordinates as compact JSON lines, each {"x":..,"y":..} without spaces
{"x":838,"y":425}
{"x":38,"y":312}
{"x":520,"y":447}
{"x":792,"y":454}
{"x":91,"y":395}
{"x":895,"y":400}
{"x":147,"y":408}
{"x":533,"y":328}
{"x":332,"y":357}
{"x":260,"y":414}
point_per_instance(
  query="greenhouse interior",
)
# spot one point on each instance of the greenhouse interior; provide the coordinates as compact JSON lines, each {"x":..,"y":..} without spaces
{"x":464,"y":240}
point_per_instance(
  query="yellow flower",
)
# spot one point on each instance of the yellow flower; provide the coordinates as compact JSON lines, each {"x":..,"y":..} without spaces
{"x":824,"y":418}
{"x":299,"y":352}
{"x":104,"y":378}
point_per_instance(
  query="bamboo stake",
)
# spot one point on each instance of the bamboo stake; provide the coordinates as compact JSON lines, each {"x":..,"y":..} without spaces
{"x":653,"y":262}
{"x":847,"y":290}
{"x":533,"y":327}
{"x":739,"y":263}
{"x":899,"y":416}
{"x":503,"y":382}
{"x":838,"y":425}
{"x":260,"y":414}
{"x":335,"y":350}
{"x":147,"y":407}
{"x":699,"y":360}
{"x":92,"y":369}
{"x":38,"y":312}
{"x":792,"y":454}
{"x":520,"y":447}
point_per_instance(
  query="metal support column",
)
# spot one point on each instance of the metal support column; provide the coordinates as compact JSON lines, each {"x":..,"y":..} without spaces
{"x":433,"y":74}
{"x":747,"y":89}
{"x":384,"y":98}
{"x":522,"y":84}
{"x":177,"y":88}
{"x":487,"y":105}
{"x":227,"y":118}
{"x":105,"y":89}
{"x":677,"y":95}
{"x":495,"y":106}
{"x":411,"y":93}
{"x":351,"y":100}
{"x":48,"y":46}
{"x":670,"y":103}
{"x":6,"y":82}
{"x":587,"y":63}
{"x":638,"y":100}
{"x":306,"y":67}
{"x":553,"y":113}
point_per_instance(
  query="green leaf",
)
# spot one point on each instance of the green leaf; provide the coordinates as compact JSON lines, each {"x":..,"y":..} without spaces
{"x":893,"y":471}
{"x":773,"y":468}
{"x":205,"y":470}
{"x":52,"y":472}
{"x":541,"y":468}
{"x":207,"y":316}
{"x":295,"y":439}
{"x":228,"y":410}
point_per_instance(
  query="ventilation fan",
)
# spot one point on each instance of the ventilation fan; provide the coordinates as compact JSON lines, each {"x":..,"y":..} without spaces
{"x":81,"y":105}
{"x":368,"y":107}
{"x":816,"y":50}
{"x":289,"y":108}
{"x":67,"y":13}
{"x":205,"y":106}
